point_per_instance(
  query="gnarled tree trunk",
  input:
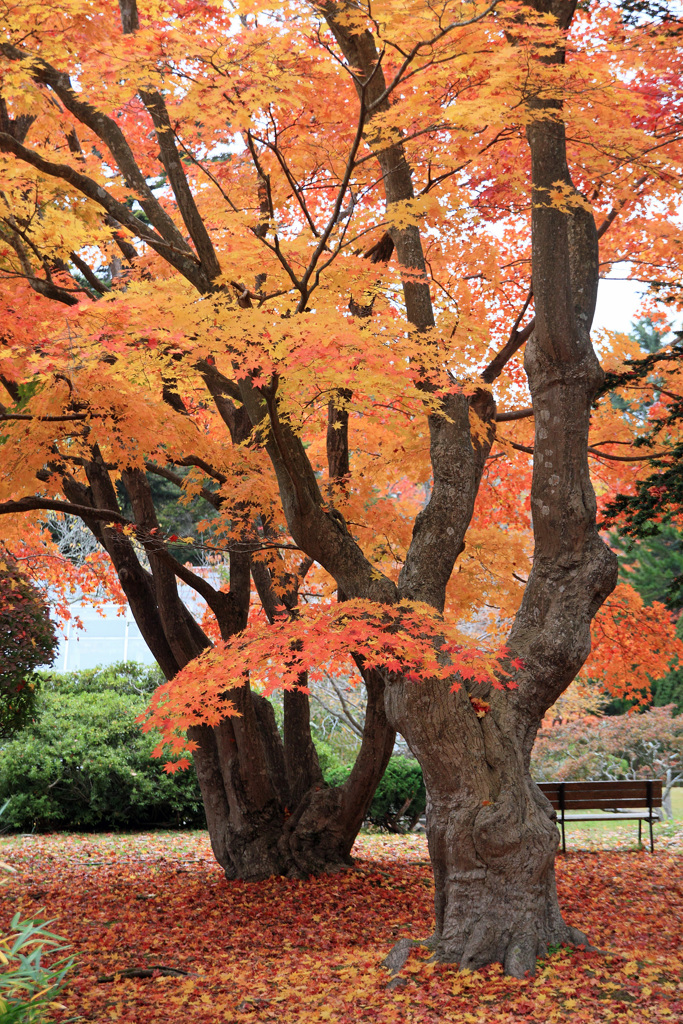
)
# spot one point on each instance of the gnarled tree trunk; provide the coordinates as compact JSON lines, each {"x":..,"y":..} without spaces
{"x":492,"y":834}
{"x":492,"y":837}
{"x":268,"y":810}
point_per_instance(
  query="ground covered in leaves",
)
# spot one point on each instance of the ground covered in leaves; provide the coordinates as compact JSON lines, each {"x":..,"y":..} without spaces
{"x":311,"y":951}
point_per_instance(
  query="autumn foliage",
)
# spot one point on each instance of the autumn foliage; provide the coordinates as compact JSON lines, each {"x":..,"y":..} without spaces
{"x":398,"y":638}
{"x":145,"y":917}
{"x":332,"y":267}
{"x":135,"y":332}
{"x":632,"y":645}
{"x":27,"y":641}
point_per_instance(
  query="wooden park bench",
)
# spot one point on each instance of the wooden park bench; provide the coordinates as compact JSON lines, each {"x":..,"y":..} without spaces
{"x":617,"y":801}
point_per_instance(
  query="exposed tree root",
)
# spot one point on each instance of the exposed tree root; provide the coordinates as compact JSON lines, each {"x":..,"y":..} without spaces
{"x":519,"y":958}
{"x":143,"y":972}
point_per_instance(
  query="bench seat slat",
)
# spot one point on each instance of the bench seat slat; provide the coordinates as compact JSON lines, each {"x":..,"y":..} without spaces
{"x":605,"y":803}
{"x":594,"y":788}
{"x":626,"y":816}
{"x":626,"y":783}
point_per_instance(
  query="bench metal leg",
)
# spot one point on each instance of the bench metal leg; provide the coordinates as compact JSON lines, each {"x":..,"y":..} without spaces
{"x":652,"y":838}
{"x":564,"y":844}
{"x":640,"y":831}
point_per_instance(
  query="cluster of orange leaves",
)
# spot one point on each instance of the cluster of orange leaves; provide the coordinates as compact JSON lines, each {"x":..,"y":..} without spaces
{"x":311,"y":951}
{"x":61,"y":579}
{"x":406,"y":638}
{"x":632,"y":645}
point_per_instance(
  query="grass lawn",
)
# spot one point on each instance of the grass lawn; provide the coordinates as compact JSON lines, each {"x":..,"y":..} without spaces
{"x":311,"y":952}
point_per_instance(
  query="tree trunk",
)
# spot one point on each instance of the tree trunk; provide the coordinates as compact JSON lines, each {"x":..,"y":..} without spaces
{"x":492,"y":834}
{"x":492,"y":837}
{"x":267,"y":809}
{"x":259,"y":826}
{"x":325,"y":824}
{"x":669,"y":783}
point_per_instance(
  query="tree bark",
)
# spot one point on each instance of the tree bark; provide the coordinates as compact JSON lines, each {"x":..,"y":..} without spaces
{"x":258,"y":823}
{"x":492,"y":835}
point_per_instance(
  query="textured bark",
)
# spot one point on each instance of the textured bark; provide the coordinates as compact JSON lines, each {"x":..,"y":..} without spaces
{"x":300,"y":756}
{"x":337,"y":441}
{"x":267,"y":809}
{"x":491,"y":833}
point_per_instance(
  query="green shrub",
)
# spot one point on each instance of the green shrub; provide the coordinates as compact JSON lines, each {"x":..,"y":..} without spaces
{"x":27,"y":639}
{"x":129,"y":677}
{"x":400,"y":798}
{"x":85,"y":764}
{"x":331,"y":765}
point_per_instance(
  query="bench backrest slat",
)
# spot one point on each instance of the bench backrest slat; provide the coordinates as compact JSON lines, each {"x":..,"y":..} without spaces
{"x":603,"y":795}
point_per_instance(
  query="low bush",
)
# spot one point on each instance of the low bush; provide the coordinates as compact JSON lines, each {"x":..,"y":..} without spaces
{"x":400,"y":798}
{"x":335,"y":772}
{"x":127,"y":677}
{"x":85,"y":764}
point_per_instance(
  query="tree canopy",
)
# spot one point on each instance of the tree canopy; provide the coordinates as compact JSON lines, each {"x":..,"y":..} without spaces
{"x":332,"y":268}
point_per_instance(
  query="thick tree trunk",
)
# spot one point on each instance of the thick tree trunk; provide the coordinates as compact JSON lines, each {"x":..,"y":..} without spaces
{"x":492,"y":837}
{"x":269,"y":814}
{"x":492,"y":834}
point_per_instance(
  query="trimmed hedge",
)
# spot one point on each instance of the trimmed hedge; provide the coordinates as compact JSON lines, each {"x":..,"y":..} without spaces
{"x":85,"y":764}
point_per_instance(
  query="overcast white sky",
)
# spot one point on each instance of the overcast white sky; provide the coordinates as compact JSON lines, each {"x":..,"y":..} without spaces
{"x":618,"y":302}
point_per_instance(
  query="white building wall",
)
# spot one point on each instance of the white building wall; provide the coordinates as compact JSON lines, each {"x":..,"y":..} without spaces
{"x":107,"y":637}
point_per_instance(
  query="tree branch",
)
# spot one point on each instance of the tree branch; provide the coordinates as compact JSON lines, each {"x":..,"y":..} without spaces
{"x":175,"y":478}
{"x":30,"y":503}
{"x":108,"y":131}
{"x":181,"y":189}
{"x":517,"y":414}
{"x":182,"y":258}
{"x":616,"y":210}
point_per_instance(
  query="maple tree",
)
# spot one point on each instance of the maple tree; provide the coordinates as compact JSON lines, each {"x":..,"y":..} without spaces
{"x":287,"y":250}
